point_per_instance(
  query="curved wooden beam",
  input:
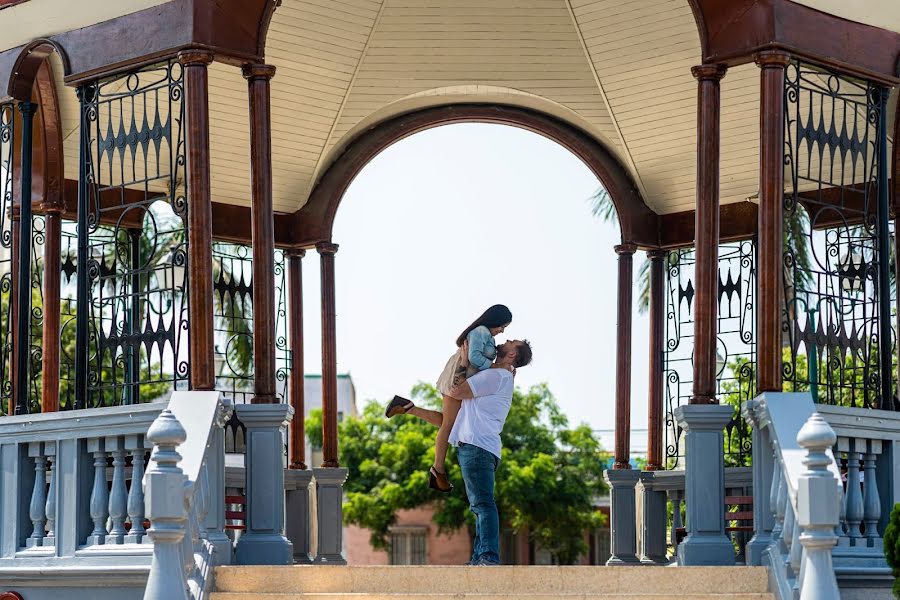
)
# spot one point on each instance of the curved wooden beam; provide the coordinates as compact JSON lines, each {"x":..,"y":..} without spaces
{"x":30,"y":60}
{"x":314,"y":221}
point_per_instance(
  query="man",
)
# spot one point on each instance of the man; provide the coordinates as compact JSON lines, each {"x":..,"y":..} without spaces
{"x":486,"y":399}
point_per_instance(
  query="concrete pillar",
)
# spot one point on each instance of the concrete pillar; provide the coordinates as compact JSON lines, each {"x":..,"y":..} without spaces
{"x":653,"y":522}
{"x":706,"y":543}
{"x":330,"y":497}
{"x":622,"y":516}
{"x":264,"y":542}
{"x":298,"y":525}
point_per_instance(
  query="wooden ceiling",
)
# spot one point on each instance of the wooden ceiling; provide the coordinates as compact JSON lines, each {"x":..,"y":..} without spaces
{"x":618,"y":70}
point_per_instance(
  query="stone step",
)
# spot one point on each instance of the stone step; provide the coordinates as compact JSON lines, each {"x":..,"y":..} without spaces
{"x":435,"y":582}
{"x":463,"y":596}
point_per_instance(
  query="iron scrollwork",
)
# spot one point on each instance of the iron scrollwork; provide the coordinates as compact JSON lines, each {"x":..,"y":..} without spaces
{"x":7,"y":122}
{"x":134,"y":163}
{"x":836,"y":316}
{"x":736,"y":343}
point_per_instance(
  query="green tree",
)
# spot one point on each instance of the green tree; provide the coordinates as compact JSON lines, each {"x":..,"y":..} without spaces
{"x":547,"y":482}
{"x":892,"y":547}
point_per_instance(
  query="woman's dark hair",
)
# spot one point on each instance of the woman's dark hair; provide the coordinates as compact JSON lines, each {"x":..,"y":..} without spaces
{"x":495,"y":316}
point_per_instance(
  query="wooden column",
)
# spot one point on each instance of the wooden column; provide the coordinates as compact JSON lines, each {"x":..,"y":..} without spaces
{"x":263,"y":232}
{"x":771,"y":197}
{"x":706,"y":236}
{"x":295,"y":340}
{"x":202,"y":336}
{"x":52,"y":282}
{"x":327,"y":251}
{"x":657,"y":341}
{"x":623,"y":357}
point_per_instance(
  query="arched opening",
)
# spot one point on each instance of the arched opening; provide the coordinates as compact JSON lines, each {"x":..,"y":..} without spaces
{"x":470,"y":215}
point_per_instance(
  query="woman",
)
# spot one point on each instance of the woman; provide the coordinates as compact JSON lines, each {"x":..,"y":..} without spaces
{"x":476,"y":351}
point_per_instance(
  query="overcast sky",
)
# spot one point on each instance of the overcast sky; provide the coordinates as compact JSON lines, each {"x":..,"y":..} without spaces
{"x":449,"y":221}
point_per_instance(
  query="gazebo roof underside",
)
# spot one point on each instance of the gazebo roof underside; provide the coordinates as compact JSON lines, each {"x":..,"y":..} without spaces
{"x":618,"y":70}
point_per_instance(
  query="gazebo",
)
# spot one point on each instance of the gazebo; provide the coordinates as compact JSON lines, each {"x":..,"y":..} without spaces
{"x":181,"y":157}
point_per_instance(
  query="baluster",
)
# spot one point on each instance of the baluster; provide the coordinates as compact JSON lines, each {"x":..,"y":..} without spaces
{"x":203,"y":500}
{"x":164,"y":477}
{"x":872,"y":501}
{"x":135,"y":445}
{"x":816,"y":515}
{"x":773,"y":502}
{"x":99,"y":494}
{"x":840,"y":530}
{"x":796,"y":552}
{"x":854,"y":497}
{"x":188,"y":542}
{"x":118,"y":498}
{"x":50,"y":508}
{"x":781,"y":515}
{"x":38,"y":494}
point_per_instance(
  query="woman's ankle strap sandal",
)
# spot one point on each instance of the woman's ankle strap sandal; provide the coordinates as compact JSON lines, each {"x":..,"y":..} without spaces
{"x":398,"y":406}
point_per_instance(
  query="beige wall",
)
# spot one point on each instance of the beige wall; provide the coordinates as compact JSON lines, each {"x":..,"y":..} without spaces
{"x":453,"y":549}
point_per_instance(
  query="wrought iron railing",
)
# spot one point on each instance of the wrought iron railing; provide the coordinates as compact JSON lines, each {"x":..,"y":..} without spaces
{"x":136,"y":319}
{"x":837,"y":277}
{"x":7,"y":122}
{"x":736,"y":343}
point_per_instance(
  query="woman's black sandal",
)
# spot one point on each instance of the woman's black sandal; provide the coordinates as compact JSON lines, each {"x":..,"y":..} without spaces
{"x":439,"y":481}
{"x":398,"y":406}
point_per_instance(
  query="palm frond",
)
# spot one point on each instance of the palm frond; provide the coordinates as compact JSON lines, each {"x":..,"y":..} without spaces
{"x":602,"y":206}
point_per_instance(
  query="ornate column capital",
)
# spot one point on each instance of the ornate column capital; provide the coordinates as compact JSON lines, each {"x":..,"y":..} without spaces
{"x":709,"y":72}
{"x":327,"y":248}
{"x":295,"y":252}
{"x":626,"y":248}
{"x":253,"y":72}
{"x":194,"y":57}
{"x":772,"y":59}
{"x":657,"y":253}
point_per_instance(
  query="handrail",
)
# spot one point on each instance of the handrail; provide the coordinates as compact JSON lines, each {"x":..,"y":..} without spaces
{"x":179,"y":495}
{"x":805,"y":474}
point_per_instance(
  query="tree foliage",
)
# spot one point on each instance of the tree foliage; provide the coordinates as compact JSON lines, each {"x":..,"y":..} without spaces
{"x":547,"y":481}
{"x":892,"y":547}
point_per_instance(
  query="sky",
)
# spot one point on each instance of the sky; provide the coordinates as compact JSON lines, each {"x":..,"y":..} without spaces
{"x":451,"y":220}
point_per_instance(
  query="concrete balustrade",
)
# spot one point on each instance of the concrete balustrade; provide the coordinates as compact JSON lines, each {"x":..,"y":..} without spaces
{"x":827,"y":489}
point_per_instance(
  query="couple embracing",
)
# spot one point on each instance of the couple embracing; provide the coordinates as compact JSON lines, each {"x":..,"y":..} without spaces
{"x":477,"y":387}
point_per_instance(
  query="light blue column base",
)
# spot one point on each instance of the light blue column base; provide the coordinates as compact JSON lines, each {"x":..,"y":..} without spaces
{"x":622,"y":516}
{"x":263,"y":542}
{"x":706,"y":543}
{"x":653,"y":522}
{"x":756,"y":547}
{"x":298,"y":526}
{"x":329,"y":505}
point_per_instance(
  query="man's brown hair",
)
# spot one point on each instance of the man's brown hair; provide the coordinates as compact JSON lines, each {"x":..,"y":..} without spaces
{"x":523,"y":354}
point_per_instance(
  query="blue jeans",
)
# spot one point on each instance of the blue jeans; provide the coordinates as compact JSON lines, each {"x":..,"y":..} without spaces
{"x":478,"y":468}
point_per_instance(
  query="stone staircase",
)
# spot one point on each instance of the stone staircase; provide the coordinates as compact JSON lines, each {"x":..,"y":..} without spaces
{"x":491,"y":583}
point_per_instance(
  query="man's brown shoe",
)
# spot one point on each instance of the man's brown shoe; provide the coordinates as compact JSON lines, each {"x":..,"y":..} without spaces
{"x":398,"y":406}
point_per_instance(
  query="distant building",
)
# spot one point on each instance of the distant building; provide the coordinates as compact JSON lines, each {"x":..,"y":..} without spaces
{"x":312,"y":399}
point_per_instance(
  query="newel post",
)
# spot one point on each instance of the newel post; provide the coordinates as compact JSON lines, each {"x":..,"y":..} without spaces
{"x":816,"y":516}
{"x":166,"y":509}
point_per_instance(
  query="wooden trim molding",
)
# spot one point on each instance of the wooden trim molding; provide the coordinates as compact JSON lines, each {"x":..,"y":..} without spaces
{"x":732,"y":32}
{"x":315,"y":220}
{"x":233,"y":30}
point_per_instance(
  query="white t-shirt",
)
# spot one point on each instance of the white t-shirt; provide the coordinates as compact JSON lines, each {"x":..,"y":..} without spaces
{"x":481,"y":419}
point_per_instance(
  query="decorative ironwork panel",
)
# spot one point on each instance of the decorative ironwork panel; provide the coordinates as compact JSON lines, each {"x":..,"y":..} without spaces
{"x":735,"y":349}
{"x":36,"y":348}
{"x":233,"y":321}
{"x":836,"y":316}
{"x":136,"y":237}
{"x":7,"y":114}
{"x":68,"y":314}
